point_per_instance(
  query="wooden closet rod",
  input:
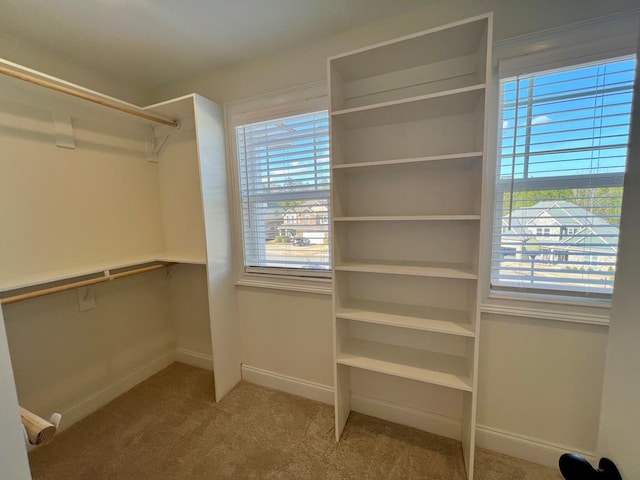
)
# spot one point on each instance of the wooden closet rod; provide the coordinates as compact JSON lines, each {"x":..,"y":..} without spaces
{"x":39,"y":431}
{"x":87,"y":96}
{"x":82,"y":283}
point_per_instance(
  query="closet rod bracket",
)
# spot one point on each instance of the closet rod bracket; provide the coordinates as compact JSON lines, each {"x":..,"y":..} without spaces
{"x":159,"y":136}
{"x":171,"y":271}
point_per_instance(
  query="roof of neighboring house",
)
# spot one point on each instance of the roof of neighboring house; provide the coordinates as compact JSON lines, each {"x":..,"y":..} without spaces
{"x":308,"y":206}
{"x":591,"y":229}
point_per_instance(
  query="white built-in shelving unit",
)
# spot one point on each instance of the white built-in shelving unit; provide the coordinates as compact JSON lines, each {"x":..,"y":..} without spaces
{"x":91,"y":189}
{"x":407,"y":151}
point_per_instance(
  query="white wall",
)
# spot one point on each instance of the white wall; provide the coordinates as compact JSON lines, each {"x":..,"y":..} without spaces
{"x":287,"y":332}
{"x":540,"y":381}
{"x":41,"y":58}
{"x":620,"y":422}
{"x":307,"y":63}
{"x":190,"y":313}
{"x":95,"y":204}
{"x":73,"y":362}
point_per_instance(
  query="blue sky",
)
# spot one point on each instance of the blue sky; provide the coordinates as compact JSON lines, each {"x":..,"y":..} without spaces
{"x":571,"y":107}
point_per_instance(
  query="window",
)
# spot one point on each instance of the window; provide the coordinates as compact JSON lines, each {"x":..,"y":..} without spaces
{"x":562,"y":149}
{"x":284,"y":179}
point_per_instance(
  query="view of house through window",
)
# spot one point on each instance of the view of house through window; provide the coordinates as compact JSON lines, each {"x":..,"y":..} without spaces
{"x":561,"y":160}
{"x":284,"y":185}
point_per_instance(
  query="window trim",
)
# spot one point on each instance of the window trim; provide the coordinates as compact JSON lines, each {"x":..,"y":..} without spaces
{"x":293,"y":101}
{"x":583,"y":42}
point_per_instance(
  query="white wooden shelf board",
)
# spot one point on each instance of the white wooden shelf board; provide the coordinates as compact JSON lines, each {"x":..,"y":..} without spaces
{"x":84,"y":270}
{"x":183,"y":259}
{"x":452,"y":322}
{"x":399,"y":162}
{"x":422,"y":269}
{"x":450,"y":102}
{"x":421,"y":48}
{"x":48,"y":277}
{"x":407,"y":218}
{"x":421,"y":365}
{"x":177,"y":108}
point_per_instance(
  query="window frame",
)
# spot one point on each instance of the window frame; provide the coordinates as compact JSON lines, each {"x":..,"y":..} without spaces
{"x":584,"y":42}
{"x":295,"y":101}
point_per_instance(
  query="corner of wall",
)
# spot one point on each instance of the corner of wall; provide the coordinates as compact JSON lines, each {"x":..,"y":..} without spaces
{"x":45,"y":60}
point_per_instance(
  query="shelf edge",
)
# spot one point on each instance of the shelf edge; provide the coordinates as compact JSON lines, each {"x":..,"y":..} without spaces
{"x":408,"y":161}
{"x":465,"y":383}
{"x":462,"y":332}
{"x":420,"y":98}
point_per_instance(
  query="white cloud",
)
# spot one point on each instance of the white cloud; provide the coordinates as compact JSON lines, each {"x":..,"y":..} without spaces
{"x":505,"y":124}
{"x":540,"y":119}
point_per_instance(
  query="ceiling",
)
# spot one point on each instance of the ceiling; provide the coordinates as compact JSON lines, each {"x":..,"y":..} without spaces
{"x":155,"y":42}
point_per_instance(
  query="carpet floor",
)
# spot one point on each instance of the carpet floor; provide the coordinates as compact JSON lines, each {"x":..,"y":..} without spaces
{"x":168,"y":428}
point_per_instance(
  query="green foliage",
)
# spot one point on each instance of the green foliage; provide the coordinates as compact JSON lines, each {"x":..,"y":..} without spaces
{"x":291,"y":203}
{"x":604,"y":202}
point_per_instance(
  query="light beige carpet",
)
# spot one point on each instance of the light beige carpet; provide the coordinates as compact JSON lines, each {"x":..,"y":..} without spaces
{"x":169,"y":428}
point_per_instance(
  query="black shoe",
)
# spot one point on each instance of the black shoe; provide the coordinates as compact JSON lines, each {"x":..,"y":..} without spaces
{"x":576,"y":467}
{"x":609,"y":470}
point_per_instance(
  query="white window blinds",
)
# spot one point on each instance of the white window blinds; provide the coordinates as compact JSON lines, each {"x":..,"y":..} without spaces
{"x":562,"y":150}
{"x":284,"y":186}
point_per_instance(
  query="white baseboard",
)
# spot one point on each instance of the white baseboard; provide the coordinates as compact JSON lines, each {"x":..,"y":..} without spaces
{"x":100,"y":398}
{"x":526,"y":448}
{"x":404,"y":415}
{"x":392,"y":412}
{"x":284,"y":383}
{"x":515,"y":445}
{"x":195,"y":359}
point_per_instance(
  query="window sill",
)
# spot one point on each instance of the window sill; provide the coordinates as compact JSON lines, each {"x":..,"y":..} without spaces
{"x":586,"y":311}
{"x":321,"y":286}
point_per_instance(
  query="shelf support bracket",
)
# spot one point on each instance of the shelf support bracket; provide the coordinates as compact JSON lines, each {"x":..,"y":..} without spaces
{"x":150,"y":140}
{"x":156,"y":139}
{"x":64,"y":131}
{"x":171,"y":271}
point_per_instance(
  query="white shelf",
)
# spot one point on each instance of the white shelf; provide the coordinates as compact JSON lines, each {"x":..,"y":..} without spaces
{"x":432,"y":46}
{"x":421,"y":365}
{"x":59,"y":275}
{"x":449,"y":102}
{"x":178,"y":108}
{"x":440,"y":320}
{"x":399,"y":162}
{"x":183,"y":259}
{"x":422,"y":269}
{"x":407,"y":218}
{"x":42,"y":278}
{"x":407,"y":150}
